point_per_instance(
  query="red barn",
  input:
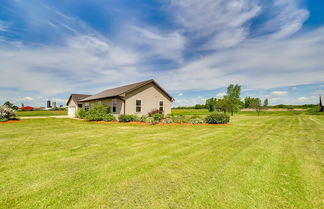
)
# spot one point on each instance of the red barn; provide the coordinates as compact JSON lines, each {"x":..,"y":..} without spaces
{"x":26,"y":108}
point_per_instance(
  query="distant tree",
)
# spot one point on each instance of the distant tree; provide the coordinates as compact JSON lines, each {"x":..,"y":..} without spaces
{"x":211,"y":104}
{"x":233,"y":91}
{"x":266,"y":103}
{"x":200,"y":106}
{"x":232,"y":99}
{"x":247,"y":102}
{"x":9,"y":104}
{"x":256,"y":104}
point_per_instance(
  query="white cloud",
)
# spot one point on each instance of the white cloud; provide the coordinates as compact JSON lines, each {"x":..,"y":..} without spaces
{"x":3,"y":26}
{"x":189,"y":101}
{"x":221,"y":94}
{"x":25,"y":99}
{"x":180,"y":94}
{"x":302,"y":99}
{"x":287,"y":18}
{"x":258,"y":63}
{"x":279,"y":93}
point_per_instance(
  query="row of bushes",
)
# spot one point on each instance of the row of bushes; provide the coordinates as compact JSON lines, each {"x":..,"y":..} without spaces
{"x":102,"y":113}
{"x":7,"y":113}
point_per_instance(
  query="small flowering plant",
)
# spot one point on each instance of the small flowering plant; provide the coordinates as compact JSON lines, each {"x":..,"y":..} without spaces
{"x":7,"y":113}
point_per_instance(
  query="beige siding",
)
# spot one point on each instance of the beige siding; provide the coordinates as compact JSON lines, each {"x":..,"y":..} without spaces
{"x":151,"y":96}
{"x":108,"y":103}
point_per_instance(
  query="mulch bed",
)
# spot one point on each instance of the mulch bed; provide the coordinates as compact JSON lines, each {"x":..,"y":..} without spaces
{"x":10,"y":121}
{"x":164,"y":124}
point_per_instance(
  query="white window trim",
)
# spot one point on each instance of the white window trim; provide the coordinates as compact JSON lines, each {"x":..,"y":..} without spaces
{"x":162,"y":105}
{"x":140,"y":105}
{"x":112,"y":105}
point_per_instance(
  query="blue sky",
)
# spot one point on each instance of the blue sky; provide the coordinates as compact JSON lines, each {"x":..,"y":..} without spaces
{"x":194,"y":49}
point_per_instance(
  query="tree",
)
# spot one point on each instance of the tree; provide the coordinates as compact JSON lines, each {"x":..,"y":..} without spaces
{"x":247,"y":102}
{"x":232,"y":99}
{"x":234,"y":91}
{"x":266,"y":103}
{"x":211,"y":104}
{"x":256,"y":104}
{"x":9,"y":104}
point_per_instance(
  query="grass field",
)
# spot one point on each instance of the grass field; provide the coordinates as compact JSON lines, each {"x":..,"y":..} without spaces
{"x":258,"y":162}
{"x":204,"y":112}
{"x":41,"y":113}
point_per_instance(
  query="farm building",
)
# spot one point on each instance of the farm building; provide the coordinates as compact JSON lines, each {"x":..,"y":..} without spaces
{"x":322,"y":102}
{"x":137,"y":98}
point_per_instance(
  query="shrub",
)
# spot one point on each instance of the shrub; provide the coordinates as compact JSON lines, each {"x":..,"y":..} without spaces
{"x":3,"y":119}
{"x":142,"y":119}
{"x":196,"y":121}
{"x":109,"y":117}
{"x":158,"y":116}
{"x":167,"y":121}
{"x":97,"y":112}
{"x":81,"y":113}
{"x":217,"y":118}
{"x":7,"y":113}
{"x":179,"y":119}
{"x":127,"y":118}
{"x":154,"y":111}
{"x":151,"y":121}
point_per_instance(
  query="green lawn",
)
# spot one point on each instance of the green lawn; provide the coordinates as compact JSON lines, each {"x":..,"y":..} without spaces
{"x":258,"y":162}
{"x":41,"y":113}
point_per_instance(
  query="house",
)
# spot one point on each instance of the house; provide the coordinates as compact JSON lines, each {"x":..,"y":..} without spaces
{"x":322,"y":102}
{"x":137,"y":98}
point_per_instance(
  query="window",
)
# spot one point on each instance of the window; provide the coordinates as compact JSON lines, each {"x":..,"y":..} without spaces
{"x":114,"y":105}
{"x":86,"y":106}
{"x":138,"y":105}
{"x":79,"y":105}
{"x":161,"y":106}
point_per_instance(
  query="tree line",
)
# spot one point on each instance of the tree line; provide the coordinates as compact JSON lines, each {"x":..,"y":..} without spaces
{"x":231,"y":102}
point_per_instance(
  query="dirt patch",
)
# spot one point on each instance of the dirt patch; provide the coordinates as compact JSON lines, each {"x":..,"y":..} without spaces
{"x":10,"y":121}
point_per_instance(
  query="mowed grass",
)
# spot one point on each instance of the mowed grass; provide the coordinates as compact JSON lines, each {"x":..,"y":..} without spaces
{"x":258,"y":162}
{"x":41,"y":113}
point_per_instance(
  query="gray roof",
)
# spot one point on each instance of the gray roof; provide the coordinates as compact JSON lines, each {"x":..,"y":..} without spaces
{"x":119,"y":91}
{"x":77,"y":97}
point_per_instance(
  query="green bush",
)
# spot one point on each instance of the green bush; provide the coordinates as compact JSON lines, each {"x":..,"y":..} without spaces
{"x":7,"y":113}
{"x":217,"y":118}
{"x":128,"y":118}
{"x":142,"y":118}
{"x":151,"y":121}
{"x":81,"y":113}
{"x":109,"y":117}
{"x":167,"y":121}
{"x":158,"y":116}
{"x":3,"y":119}
{"x":196,"y":121}
{"x":97,"y":112}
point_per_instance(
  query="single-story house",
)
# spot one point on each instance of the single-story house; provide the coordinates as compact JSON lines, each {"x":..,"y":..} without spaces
{"x":137,"y":98}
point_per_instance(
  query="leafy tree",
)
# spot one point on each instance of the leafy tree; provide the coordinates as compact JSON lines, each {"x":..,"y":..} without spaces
{"x":9,"y":104}
{"x":200,"y":106}
{"x":234,"y":91}
{"x":232,"y":99}
{"x":266,"y":103}
{"x":211,"y":104}
{"x":256,"y":104}
{"x":247,"y":102}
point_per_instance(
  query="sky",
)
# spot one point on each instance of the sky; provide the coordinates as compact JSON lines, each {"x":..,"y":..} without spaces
{"x":193,"y":48}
